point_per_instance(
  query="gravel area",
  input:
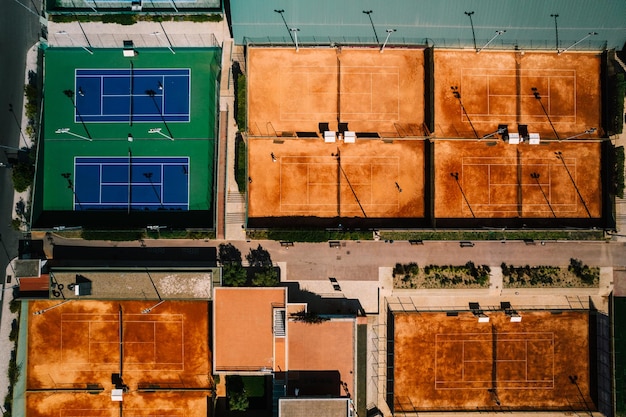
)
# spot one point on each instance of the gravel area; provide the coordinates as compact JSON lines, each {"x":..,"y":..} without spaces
{"x":138,"y":285}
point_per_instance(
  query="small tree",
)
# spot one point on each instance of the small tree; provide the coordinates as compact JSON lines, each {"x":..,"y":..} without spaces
{"x":229,"y":254}
{"x":259,"y":258}
{"x":234,"y":275}
{"x":237,"y":397}
{"x":267,"y":277}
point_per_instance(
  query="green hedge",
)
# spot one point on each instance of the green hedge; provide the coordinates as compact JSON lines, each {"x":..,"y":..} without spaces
{"x":240,"y":164}
{"x":131,"y":19}
{"x":241,"y":102}
{"x":619,"y":172}
{"x":617,"y":91}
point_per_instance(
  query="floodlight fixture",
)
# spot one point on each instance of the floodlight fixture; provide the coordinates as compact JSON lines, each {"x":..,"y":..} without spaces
{"x":157,"y":130}
{"x":498,"y":33}
{"x":577,"y":42}
{"x":66,"y":130}
{"x":389,"y":32}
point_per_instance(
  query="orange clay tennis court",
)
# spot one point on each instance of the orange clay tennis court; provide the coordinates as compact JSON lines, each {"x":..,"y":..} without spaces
{"x":456,"y":363}
{"x":78,"y":343}
{"x":305,"y":177}
{"x":497,"y":88}
{"x":291,"y":91}
{"x":493,"y":179}
{"x":136,"y":404}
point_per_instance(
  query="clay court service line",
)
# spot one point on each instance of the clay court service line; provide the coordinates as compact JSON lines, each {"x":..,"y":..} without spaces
{"x":480,"y":207}
{"x":466,"y":74}
{"x":391,"y":161}
{"x":548,"y":337}
{"x":154,"y":322}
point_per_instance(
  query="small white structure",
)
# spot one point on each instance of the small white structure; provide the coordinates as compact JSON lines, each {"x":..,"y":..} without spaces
{"x":533,"y":138}
{"x":349,"y":137}
{"x":116,"y":395}
{"x":514,"y":138}
{"x":330,"y":136}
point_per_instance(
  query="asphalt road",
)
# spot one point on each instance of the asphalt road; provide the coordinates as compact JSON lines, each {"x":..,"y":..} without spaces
{"x":19,"y":30}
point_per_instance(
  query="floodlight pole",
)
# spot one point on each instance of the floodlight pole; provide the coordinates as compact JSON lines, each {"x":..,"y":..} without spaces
{"x":498,"y":33}
{"x":67,"y":130}
{"x":36,"y":313}
{"x":389,"y":32}
{"x":149,"y":309}
{"x":556,"y":30}
{"x":577,"y":42}
{"x":586,"y":132}
{"x":457,"y":95}
{"x":168,"y":45}
{"x":369,"y":14}
{"x":158,"y":131}
{"x":295,"y":34}
{"x":538,"y":97}
{"x":497,"y":132}
{"x":469,"y":14}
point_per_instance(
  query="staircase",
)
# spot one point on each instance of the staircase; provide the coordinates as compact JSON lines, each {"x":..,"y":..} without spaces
{"x":279,"y":323}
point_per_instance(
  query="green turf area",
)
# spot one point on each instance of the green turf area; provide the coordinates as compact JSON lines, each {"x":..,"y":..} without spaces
{"x":254,"y":385}
{"x":194,"y":139}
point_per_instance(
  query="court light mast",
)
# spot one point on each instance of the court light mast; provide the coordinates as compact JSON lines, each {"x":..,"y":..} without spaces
{"x":157,"y":130}
{"x":67,"y":130}
{"x":457,"y":95}
{"x":498,"y":33}
{"x":389,"y":32}
{"x":295,"y":35}
{"x":577,"y":42}
{"x":586,"y":132}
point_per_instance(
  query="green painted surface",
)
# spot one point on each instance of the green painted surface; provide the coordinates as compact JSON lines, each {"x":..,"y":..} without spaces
{"x":443,"y":23}
{"x":194,"y":139}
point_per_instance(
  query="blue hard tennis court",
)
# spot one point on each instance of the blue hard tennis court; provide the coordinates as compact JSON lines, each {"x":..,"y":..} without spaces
{"x":132,"y":95}
{"x":102,"y":183}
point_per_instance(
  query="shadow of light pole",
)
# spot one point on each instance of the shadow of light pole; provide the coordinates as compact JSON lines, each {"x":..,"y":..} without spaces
{"x":535,"y":176}
{"x":455,"y":175}
{"x":70,"y":94}
{"x":559,"y":155}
